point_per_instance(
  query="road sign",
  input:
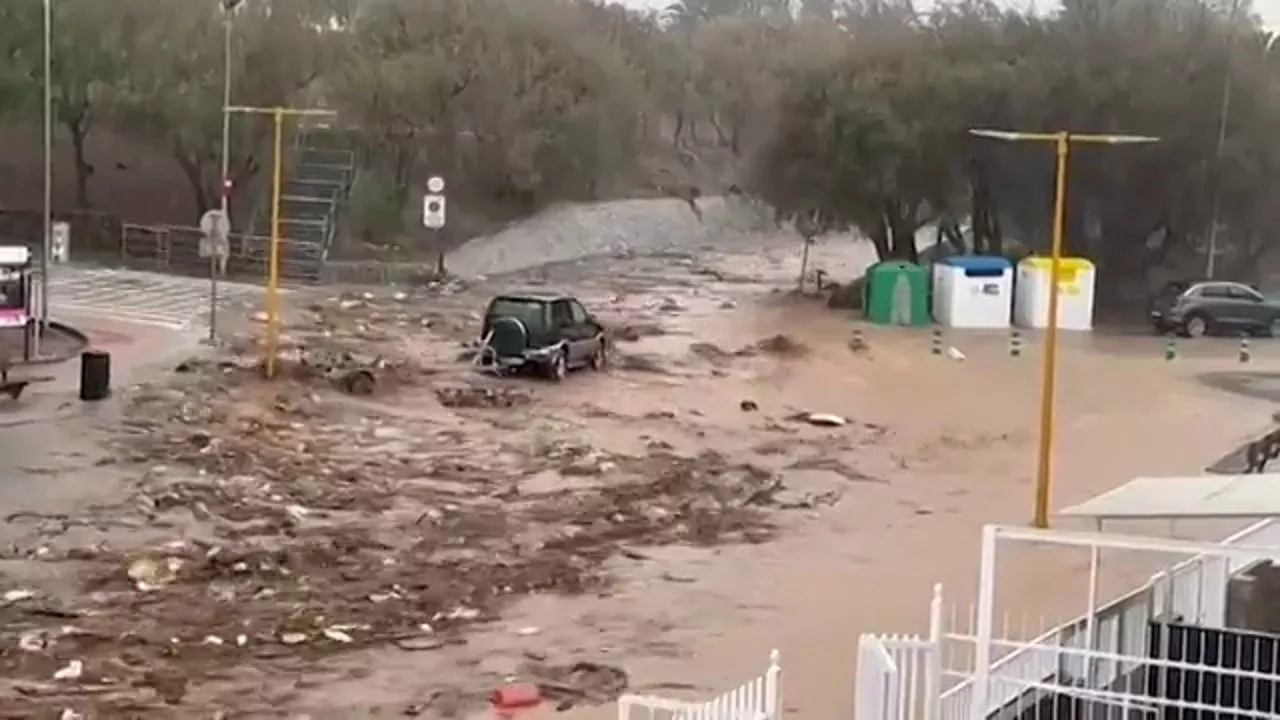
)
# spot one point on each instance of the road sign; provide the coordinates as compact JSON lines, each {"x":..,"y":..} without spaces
{"x":433,"y":208}
{"x":435,"y":185}
{"x":216,"y":228}
{"x":60,"y":242}
{"x":215,"y":224}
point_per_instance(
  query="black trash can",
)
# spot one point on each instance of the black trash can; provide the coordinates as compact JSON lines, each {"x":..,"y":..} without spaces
{"x":95,"y":375}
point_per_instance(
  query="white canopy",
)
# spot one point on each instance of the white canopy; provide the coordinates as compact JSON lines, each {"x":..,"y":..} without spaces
{"x":1195,"y":497}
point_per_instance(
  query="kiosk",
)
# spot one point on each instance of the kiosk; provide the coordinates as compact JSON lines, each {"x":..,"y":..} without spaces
{"x":15,"y":281}
{"x":973,"y":291}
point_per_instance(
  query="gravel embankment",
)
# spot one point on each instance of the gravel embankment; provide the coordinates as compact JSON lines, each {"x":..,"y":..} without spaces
{"x":574,"y":232}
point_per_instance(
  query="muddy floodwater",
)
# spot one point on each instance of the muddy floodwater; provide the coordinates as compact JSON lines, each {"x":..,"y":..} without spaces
{"x":384,"y":531}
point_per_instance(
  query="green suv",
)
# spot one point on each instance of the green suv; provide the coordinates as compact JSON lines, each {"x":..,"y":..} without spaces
{"x":551,"y":333}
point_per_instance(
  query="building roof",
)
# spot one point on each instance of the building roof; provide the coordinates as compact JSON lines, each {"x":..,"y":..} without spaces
{"x":1195,"y":497}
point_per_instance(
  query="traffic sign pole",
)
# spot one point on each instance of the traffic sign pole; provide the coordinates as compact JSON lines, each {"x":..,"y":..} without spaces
{"x":434,"y":204}
{"x":215,"y":226}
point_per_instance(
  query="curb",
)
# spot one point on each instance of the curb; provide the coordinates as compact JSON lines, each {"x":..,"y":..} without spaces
{"x":81,"y":342}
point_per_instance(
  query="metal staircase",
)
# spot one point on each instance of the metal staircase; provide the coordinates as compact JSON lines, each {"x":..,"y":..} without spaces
{"x":317,"y":178}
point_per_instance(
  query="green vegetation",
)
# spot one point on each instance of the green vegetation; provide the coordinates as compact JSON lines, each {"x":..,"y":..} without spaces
{"x":843,"y":114}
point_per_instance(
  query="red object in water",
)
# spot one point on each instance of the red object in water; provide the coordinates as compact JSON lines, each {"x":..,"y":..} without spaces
{"x":515,"y":696}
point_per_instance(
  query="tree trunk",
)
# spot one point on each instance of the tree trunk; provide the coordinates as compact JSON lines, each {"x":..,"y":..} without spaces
{"x":193,"y":170}
{"x":880,"y":239}
{"x":902,"y":232}
{"x":77,"y":125}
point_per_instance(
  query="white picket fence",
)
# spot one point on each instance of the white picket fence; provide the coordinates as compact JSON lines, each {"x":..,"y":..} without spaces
{"x":757,"y":699}
{"x":901,"y":677}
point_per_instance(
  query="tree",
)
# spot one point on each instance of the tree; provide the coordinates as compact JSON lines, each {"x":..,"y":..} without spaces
{"x":171,"y":86}
{"x":875,"y":138}
{"x":86,"y":37}
{"x":526,"y":102}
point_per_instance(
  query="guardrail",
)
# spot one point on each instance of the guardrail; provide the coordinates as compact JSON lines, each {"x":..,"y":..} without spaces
{"x":176,"y":250}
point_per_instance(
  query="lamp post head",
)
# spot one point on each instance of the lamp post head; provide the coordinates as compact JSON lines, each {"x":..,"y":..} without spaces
{"x":1005,"y":135}
{"x":1132,"y":139}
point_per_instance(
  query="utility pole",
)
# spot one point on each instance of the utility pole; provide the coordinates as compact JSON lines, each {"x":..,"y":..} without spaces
{"x":229,"y":8}
{"x":1062,"y":142}
{"x":278,"y":115}
{"x":1224,"y":111}
{"x":46,"y":246}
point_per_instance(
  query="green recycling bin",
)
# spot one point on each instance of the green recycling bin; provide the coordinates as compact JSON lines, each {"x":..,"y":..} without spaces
{"x":897,"y":293}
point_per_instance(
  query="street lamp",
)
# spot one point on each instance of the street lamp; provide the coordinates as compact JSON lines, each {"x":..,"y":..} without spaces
{"x":278,"y":115}
{"x":229,"y":7}
{"x":1224,"y":111}
{"x":1062,"y":142}
{"x":48,"y":178}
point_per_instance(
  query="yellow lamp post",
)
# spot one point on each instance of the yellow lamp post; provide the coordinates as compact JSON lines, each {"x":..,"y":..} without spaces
{"x":278,"y":114}
{"x":1049,"y":373}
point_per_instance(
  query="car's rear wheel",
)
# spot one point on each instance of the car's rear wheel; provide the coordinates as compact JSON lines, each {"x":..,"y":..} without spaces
{"x":558,"y":366}
{"x":600,"y":358}
{"x":1195,"y":326}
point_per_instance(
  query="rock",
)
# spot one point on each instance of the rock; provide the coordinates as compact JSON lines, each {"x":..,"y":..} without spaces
{"x":72,"y":671}
{"x":338,"y":635}
{"x":748,"y":406}
{"x":782,"y":345}
{"x":847,"y":297}
{"x":293,"y":638}
{"x":149,"y":573}
{"x":13,"y":596}
{"x":825,"y":420}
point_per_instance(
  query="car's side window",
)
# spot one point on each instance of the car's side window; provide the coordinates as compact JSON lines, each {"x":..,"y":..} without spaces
{"x":580,"y":314}
{"x":561,"y":313}
{"x":1214,"y":291}
{"x":1244,"y":293}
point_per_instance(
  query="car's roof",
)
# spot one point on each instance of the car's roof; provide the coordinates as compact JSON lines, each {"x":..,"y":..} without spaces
{"x":536,"y":296}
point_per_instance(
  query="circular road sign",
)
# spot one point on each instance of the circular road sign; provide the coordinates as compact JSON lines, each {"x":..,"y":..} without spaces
{"x":435,"y":184}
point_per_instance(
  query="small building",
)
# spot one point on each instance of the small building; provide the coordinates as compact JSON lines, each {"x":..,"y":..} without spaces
{"x":897,"y":293}
{"x":1076,"y":278}
{"x":973,"y":291}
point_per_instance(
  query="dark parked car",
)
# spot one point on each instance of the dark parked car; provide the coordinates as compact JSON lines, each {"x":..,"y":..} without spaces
{"x":551,"y":333}
{"x":1194,"y":309}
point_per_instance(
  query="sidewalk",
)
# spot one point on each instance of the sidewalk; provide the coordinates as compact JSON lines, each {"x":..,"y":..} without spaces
{"x":50,"y":448}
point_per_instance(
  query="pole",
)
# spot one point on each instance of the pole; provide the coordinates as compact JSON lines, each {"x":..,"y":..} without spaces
{"x":1211,"y":262}
{"x":226,"y":167}
{"x":273,"y":261}
{"x":48,"y":176}
{"x":1049,"y":375}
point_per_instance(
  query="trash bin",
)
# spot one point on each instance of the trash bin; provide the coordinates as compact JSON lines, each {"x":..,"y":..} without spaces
{"x":897,"y":294}
{"x":95,"y":375}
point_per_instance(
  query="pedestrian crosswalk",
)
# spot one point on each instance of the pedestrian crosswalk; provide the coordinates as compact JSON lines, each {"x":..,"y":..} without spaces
{"x":153,"y":298}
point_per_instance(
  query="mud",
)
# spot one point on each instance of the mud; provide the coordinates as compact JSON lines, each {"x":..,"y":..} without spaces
{"x":744,"y":476}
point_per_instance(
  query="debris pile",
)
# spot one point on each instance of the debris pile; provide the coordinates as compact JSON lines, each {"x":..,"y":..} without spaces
{"x":284,"y":522}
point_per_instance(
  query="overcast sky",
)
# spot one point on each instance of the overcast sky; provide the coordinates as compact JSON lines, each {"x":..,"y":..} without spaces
{"x":1268,"y":9}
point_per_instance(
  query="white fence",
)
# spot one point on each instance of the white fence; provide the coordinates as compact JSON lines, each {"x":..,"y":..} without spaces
{"x":758,"y":699}
{"x":899,"y":676}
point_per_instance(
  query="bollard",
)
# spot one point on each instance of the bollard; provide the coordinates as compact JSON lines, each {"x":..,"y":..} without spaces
{"x":937,"y":341}
{"x":1015,"y":343}
{"x":1245,"y":356}
{"x":95,"y":375}
{"x":1171,"y":348}
{"x":858,"y":343}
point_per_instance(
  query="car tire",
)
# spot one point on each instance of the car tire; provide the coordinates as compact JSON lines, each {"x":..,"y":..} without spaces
{"x":600,"y":358}
{"x":558,"y":366}
{"x":1195,"y":326}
